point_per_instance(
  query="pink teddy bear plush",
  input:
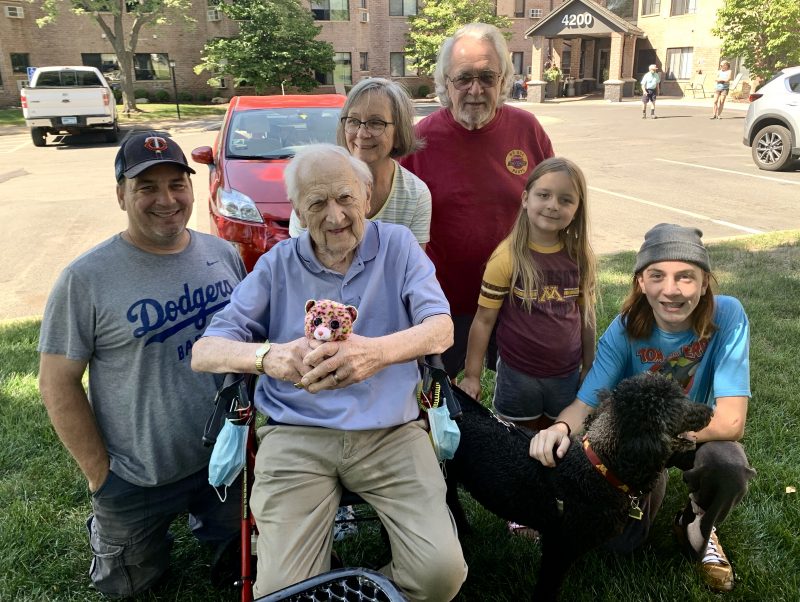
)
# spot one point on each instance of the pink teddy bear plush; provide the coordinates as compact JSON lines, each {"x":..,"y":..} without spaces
{"x":328,"y":320}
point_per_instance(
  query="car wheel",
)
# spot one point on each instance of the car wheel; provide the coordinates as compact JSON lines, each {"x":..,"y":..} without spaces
{"x":112,"y":135}
{"x":39,"y":136}
{"x":772,"y":148}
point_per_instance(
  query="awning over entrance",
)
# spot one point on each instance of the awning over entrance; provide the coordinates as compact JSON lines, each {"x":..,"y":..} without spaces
{"x":582,"y":19}
{"x":592,"y":46}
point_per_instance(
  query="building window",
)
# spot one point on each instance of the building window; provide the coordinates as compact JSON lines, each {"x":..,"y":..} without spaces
{"x":363,"y":61}
{"x":651,"y":7}
{"x":622,"y":8}
{"x":644,"y":58}
{"x":330,"y":10}
{"x":145,"y":66}
{"x":151,"y":66}
{"x":402,"y":8}
{"x":566,"y":58}
{"x":682,"y":7}
{"x":519,"y":8}
{"x":20,"y":61}
{"x":399,"y":65}
{"x":679,"y":63}
{"x":516,"y":60}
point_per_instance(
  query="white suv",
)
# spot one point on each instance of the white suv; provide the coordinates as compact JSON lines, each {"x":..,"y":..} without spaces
{"x":772,"y":125}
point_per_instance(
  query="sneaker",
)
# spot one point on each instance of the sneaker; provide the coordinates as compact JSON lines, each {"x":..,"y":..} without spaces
{"x":344,"y":526}
{"x":644,"y":115}
{"x":717,"y":571}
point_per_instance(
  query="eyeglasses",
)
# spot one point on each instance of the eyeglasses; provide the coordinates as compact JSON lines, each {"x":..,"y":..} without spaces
{"x":376,"y":127}
{"x":486,"y":79}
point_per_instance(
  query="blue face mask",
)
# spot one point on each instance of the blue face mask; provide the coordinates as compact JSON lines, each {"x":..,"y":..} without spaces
{"x":445,"y":435}
{"x":229,"y":456}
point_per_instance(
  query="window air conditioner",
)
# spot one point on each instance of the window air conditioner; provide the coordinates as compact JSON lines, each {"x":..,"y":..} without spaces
{"x":535,"y":13}
{"x":214,"y":14}
{"x":14,"y":12}
{"x":365,"y":17}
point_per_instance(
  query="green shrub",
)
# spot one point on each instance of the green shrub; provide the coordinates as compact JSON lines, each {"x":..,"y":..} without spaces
{"x":184,"y":96}
{"x":423,"y":91}
{"x":161,"y":95}
{"x":141,"y":93}
{"x":117,"y":95}
{"x":202,"y":97}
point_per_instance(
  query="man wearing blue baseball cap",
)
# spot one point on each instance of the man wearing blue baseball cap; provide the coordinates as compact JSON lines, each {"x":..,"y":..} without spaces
{"x":130,"y":310}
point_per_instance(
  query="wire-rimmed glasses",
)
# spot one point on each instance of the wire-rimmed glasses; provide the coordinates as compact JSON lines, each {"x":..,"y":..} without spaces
{"x":375,"y":127}
{"x":486,"y":79}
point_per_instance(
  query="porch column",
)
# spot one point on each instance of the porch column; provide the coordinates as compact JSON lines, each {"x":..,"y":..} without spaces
{"x":613,"y":85}
{"x":536,"y":82}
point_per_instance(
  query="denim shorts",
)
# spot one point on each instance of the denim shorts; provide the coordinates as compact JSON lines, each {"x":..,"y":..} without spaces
{"x":518,"y":396}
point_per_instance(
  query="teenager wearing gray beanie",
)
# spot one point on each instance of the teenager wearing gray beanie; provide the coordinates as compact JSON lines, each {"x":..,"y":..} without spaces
{"x":670,"y":242}
{"x":672,"y":323}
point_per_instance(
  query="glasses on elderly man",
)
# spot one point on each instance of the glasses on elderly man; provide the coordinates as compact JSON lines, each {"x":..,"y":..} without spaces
{"x":375,"y":127}
{"x":486,"y":79}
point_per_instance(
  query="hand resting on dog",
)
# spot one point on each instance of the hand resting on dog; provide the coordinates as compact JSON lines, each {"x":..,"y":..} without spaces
{"x":550,"y":444}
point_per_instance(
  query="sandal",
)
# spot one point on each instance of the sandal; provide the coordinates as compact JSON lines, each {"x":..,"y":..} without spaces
{"x":522,"y":531}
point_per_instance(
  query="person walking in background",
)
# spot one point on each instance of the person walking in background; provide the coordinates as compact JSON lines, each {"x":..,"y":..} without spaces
{"x":478,"y":154}
{"x":131,"y":310}
{"x":650,"y":85}
{"x":672,"y":323}
{"x":721,"y":87}
{"x":377,"y":126}
{"x":540,"y":282}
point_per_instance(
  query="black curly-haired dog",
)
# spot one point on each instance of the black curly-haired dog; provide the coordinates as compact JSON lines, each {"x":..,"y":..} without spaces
{"x":633,"y":433}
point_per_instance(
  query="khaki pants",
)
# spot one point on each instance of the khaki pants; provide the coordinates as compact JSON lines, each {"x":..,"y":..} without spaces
{"x":298,"y":479}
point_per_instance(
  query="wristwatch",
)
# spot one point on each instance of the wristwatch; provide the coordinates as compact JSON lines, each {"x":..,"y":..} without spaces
{"x":260,"y":353}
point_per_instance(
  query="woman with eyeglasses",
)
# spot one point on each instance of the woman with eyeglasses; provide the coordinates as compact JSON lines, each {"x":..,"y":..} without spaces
{"x":376,"y":126}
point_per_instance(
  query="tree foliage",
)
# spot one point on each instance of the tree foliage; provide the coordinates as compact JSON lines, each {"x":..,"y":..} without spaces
{"x":276,"y":44}
{"x":439,"y":19}
{"x":766,"y":35}
{"x":122,"y":33}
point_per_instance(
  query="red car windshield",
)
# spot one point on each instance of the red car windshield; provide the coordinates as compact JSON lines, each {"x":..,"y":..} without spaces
{"x":278,"y":133}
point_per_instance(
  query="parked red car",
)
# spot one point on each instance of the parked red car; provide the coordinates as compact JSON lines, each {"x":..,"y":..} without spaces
{"x":259,"y":135}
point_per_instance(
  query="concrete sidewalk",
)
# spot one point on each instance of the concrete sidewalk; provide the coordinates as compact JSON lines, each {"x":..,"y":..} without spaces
{"x":597,"y":99}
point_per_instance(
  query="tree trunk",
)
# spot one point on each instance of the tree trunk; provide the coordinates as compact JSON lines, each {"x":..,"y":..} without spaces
{"x":126,"y":79}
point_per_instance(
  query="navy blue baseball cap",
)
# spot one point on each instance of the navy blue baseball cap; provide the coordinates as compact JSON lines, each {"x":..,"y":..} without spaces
{"x":142,"y":150}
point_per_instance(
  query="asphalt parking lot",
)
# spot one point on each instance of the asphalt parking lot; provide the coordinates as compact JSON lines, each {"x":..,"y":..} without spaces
{"x":59,"y":201}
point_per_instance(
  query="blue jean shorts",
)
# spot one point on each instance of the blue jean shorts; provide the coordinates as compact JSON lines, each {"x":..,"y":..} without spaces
{"x":518,"y":396}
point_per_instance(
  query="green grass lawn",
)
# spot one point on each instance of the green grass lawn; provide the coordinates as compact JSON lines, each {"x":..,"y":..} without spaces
{"x":148,"y":112}
{"x":44,"y":554}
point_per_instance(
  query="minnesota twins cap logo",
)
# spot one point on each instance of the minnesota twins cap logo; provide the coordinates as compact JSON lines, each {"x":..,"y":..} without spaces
{"x":157,"y":144}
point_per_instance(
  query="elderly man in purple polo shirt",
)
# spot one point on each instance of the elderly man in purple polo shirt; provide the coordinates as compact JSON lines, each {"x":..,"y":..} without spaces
{"x":341,"y":413}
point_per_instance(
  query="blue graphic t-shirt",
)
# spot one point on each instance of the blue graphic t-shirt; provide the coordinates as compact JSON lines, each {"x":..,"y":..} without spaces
{"x":707,"y":369}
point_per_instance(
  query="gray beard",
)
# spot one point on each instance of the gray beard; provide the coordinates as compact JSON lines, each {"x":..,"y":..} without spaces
{"x":472,"y":120}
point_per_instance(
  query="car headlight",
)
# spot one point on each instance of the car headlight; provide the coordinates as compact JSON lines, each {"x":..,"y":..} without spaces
{"x":237,"y":205}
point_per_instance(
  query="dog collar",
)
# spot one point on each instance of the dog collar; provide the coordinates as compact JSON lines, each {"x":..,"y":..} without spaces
{"x":635,"y":512}
{"x":602,"y":468}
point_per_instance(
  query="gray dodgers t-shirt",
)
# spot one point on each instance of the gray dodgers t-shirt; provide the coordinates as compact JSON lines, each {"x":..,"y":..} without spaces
{"x":134,"y":317}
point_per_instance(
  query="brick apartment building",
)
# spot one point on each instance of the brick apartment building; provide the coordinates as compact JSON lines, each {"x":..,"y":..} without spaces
{"x":607,"y":41}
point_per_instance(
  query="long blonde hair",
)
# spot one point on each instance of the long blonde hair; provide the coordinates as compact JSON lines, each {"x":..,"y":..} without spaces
{"x":575,"y":238}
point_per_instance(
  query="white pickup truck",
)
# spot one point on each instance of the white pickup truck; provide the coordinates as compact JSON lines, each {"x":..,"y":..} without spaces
{"x":71,"y":100}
